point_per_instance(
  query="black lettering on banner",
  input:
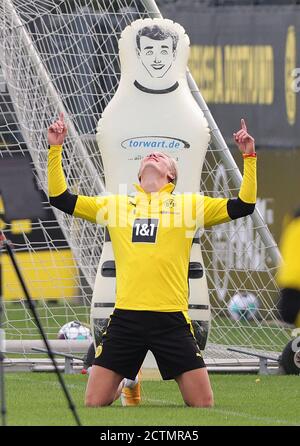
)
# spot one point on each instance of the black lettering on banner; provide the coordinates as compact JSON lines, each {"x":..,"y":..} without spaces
{"x":144,"y":230}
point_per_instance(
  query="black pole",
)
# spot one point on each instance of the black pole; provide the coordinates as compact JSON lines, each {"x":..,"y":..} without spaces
{"x":2,"y":340}
{"x":7,"y":245}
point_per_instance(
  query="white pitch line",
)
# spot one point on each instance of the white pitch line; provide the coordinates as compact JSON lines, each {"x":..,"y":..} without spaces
{"x":254,"y":417}
{"x":231,"y":413}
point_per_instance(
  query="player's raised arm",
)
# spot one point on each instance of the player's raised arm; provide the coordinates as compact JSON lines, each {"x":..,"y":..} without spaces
{"x":245,"y":203}
{"x":221,"y":210}
{"x":59,"y":195}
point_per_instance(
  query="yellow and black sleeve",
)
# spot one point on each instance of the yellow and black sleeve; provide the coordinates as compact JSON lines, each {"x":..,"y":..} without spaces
{"x":245,"y":203}
{"x":60,"y":197}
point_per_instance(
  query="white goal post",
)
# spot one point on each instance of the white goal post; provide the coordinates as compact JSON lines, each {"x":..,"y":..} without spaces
{"x":62,"y":56}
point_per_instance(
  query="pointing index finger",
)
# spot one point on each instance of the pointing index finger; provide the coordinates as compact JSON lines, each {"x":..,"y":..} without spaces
{"x":61,"y":116}
{"x":243,"y":125}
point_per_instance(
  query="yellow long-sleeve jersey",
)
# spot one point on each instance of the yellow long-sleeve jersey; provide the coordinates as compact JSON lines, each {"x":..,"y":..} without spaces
{"x":151,"y":234}
{"x":289,"y":272}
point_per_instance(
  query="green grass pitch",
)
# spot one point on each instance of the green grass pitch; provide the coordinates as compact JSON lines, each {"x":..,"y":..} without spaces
{"x":34,"y":399}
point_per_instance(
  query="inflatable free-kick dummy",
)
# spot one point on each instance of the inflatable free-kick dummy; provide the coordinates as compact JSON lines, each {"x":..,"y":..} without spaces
{"x":152,"y":110}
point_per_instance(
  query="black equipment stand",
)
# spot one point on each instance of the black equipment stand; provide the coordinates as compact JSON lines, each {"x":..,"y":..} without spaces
{"x":21,"y":200}
{"x":2,"y":341}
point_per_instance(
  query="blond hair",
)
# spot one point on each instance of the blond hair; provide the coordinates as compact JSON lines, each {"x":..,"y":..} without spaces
{"x":174,"y":169}
{"x":173,"y":164}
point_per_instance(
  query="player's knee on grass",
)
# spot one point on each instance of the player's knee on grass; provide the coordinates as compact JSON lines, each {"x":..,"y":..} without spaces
{"x":205,"y":401}
{"x":92,"y":401}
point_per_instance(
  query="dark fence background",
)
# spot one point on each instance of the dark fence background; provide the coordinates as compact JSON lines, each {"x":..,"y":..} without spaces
{"x":244,"y":60}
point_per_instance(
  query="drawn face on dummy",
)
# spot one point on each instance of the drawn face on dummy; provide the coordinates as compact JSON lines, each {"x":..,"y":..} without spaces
{"x":159,"y":163}
{"x":156,"y":49}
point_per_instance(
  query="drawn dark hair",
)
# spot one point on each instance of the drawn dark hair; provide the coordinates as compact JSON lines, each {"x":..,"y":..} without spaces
{"x":156,"y":33}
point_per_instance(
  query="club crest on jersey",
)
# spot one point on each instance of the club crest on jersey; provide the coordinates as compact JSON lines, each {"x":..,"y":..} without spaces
{"x":170,"y":203}
{"x":144,"y":230}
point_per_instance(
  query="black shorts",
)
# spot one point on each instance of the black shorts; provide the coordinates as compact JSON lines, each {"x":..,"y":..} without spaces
{"x":289,"y":304}
{"x":130,"y":334}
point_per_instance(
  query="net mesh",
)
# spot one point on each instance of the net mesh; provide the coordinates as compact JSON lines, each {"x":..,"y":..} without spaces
{"x":62,"y":55}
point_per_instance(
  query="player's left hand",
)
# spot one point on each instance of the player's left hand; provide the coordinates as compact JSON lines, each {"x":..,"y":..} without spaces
{"x":244,"y":141}
{"x":57,"y":131}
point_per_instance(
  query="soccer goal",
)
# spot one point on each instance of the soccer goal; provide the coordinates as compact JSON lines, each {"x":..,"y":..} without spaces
{"x":62,"y":55}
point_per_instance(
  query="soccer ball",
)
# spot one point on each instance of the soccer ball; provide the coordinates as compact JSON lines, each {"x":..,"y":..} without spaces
{"x":75,"y":331}
{"x":243,"y":306}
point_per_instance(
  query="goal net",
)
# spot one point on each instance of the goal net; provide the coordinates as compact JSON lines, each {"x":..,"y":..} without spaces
{"x":62,"y":56}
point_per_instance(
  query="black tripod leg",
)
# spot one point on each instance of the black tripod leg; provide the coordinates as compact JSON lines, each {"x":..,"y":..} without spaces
{"x":2,"y":390}
{"x":2,"y":385}
{"x":10,"y":252}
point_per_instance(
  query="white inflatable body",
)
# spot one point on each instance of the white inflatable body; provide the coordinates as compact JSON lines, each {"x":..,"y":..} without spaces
{"x":152,"y":110}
